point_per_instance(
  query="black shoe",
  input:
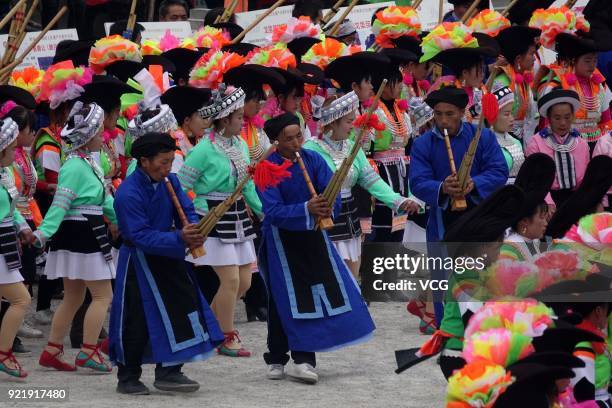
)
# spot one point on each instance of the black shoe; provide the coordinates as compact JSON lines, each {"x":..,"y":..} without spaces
{"x":262,"y":314}
{"x":19,"y":348}
{"x":132,"y":387}
{"x":177,"y":382}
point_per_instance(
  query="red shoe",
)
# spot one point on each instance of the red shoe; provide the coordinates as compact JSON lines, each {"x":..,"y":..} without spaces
{"x":428,"y":324}
{"x":230,"y":352}
{"x":14,"y":372}
{"x":52,"y":360}
{"x":104,"y":344}
{"x":416,"y":307}
{"x":86,"y":360}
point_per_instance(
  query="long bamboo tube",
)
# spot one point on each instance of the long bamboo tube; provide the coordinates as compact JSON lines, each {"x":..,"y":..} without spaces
{"x":323,"y":223}
{"x":416,"y":4}
{"x":39,"y":37}
{"x":335,"y":184}
{"x":196,"y":252}
{"x":508,"y":7}
{"x":331,"y":13}
{"x":458,"y":204}
{"x":345,"y":13}
{"x":440,"y":11}
{"x":570,"y":3}
{"x":470,"y":11}
{"x":227,"y":12}
{"x":257,"y":21}
{"x":10,"y":14}
{"x":21,"y":34}
{"x":132,"y":17}
{"x":13,"y":35}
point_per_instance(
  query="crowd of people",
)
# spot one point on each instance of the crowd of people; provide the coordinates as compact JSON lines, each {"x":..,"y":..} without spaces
{"x":165,"y":180}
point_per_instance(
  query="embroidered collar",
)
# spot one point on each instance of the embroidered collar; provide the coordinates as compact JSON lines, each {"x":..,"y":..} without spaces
{"x":547,"y":132}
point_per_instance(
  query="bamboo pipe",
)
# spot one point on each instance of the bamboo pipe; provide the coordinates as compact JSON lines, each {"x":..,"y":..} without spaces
{"x":470,"y":11}
{"x":416,"y":4}
{"x":441,"y":11}
{"x":570,"y":3}
{"x":508,"y":7}
{"x":196,"y":252}
{"x":458,"y":204}
{"x":132,"y":18}
{"x":151,"y":10}
{"x":331,"y":13}
{"x":323,"y":223}
{"x":207,"y":223}
{"x":21,"y":33}
{"x":10,"y":14}
{"x":257,"y":21}
{"x":13,"y":34}
{"x":39,"y":37}
{"x":345,"y":13}
{"x":335,"y":184}
{"x":227,"y":12}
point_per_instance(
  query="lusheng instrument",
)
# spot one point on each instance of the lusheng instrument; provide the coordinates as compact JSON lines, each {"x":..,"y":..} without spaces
{"x":227,"y":12}
{"x":458,"y":204}
{"x":335,"y":184}
{"x":196,"y":252}
{"x":264,"y":174}
{"x":6,"y":70}
{"x":131,"y":23}
{"x":331,"y":13}
{"x":490,"y":109}
{"x":323,"y":223}
{"x":345,"y":13}
{"x":258,"y":20}
{"x":17,"y":33}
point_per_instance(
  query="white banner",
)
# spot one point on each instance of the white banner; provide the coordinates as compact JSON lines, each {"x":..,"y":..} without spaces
{"x":155,"y":30}
{"x":361,"y":16}
{"x":42,"y":54}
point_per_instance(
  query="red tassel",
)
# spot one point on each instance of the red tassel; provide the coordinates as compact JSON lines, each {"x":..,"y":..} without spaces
{"x":402,"y":105}
{"x":490,"y":107}
{"x":267,"y":174}
{"x":408,"y":79}
{"x":424,"y":84}
{"x":374,"y":122}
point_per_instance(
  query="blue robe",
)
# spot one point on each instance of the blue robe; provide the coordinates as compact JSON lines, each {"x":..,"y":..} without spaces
{"x":429,"y":167}
{"x":315,"y":316}
{"x":180,"y":323}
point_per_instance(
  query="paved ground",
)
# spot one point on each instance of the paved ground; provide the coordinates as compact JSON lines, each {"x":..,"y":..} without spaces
{"x":360,"y":376}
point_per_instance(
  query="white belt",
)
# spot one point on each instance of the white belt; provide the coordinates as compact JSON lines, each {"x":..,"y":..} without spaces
{"x":215,"y":195}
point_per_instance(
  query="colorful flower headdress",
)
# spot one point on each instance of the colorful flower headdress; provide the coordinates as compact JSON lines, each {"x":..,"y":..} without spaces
{"x":29,"y":78}
{"x":394,"y":22}
{"x":488,"y":21}
{"x":111,"y":49}
{"x":594,"y":231}
{"x":554,"y":21}
{"x":153,"y":82}
{"x":275,"y":56}
{"x":209,"y":70}
{"x":477,"y":384}
{"x":62,"y":82}
{"x":295,"y":28}
{"x":499,"y":346}
{"x":323,"y":53}
{"x":211,"y":37}
{"x":512,"y":278}
{"x":445,"y":37}
{"x":166,"y":43}
{"x":526,"y":316}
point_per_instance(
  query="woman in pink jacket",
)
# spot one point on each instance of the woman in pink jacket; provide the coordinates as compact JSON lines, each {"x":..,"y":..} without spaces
{"x":561,"y":142}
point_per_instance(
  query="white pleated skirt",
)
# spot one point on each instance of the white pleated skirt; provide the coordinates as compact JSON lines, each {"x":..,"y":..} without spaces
{"x":349,"y":248}
{"x":8,"y":275}
{"x":223,"y":254}
{"x":76,"y":265}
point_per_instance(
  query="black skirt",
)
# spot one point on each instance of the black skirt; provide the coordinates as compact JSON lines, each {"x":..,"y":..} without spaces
{"x":235,"y":225}
{"x":346,"y":224}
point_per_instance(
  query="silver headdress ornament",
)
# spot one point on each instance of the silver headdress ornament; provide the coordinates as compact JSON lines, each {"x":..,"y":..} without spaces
{"x":8,"y":132}
{"x":164,"y":121}
{"x":225,"y":101}
{"x":338,"y":108}
{"x":85,"y":127}
{"x":421,"y":112}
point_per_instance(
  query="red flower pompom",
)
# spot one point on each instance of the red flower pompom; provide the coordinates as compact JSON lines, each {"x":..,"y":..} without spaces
{"x":402,"y":104}
{"x":267,"y":174}
{"x":490,"y":107}
{"x":424,"y":84}
{"x":528,"y":77}
{"x":373,"y":122}
{"x":408,"y":79}
{"x":571,"y":79}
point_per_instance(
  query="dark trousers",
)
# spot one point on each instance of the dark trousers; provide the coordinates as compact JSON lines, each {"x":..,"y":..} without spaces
{"x":46,"y":289}
{"x":278,"y":344}
{"x":136,"y":335}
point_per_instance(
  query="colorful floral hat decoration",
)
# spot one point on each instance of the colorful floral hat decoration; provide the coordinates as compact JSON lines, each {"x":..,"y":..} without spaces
{"x":111,"y":49}
{"x":489,"y":22}
{"x":499,"y":346}
{"x":394,"y":22}
{"x":321,"y":54}
{"x":210,"y":37}
{"x":209,"y":70}
{"x":275,"y":56}
{"x":554,"y":21}
{"x":446,"y":36}
{"x":29,"y":78}
{"x":477,"y":384}
{"x":294,"y":29}
{"x":62,"y":82}
{"x":525,"y":316}
{"x":512,"y":278}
